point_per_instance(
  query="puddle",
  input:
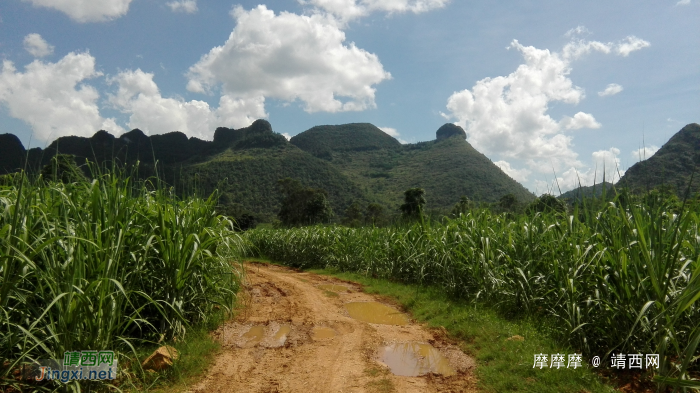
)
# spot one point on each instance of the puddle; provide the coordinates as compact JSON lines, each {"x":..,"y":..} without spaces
{"x":374,"y":312}
{"x":414,"y":359}
{"x":281,"y":335}
{"x":254,"y":335}
{"x":322,"y":333}
{"x":333,"y":288}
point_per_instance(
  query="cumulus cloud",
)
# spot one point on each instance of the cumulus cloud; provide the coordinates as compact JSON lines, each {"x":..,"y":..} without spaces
{"x":507,"y":116}
{"x":87,"y":10}
{"x":610,"y":90}
{"x":580,"y":120}
{"x":290,"y":57}
{"x":643,"y":153}
{"x":52,"y":98}
{"x":187,"y":6}
{"x":519,"y":175}
{"x":287,"y":136}
{"x":351,"y":9}
{"x":631,"y":44}
{"x":139,"y":96}
{"x":603,"y":165}
{"x":394,"y":133}
{"x":37,"y":46}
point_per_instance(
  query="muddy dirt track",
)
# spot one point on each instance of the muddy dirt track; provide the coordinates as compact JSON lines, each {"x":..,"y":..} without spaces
{"x":296,"y":335}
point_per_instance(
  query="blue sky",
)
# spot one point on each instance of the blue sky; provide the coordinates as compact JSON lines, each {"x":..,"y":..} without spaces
{"x":541,"y":87}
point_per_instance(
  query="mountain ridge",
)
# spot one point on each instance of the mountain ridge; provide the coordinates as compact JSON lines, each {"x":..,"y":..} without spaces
{"x":672,"y":165}
{"x":354,"y":162}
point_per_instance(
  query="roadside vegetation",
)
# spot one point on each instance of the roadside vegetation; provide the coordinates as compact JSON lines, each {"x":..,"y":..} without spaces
{"x":502,"y":347}
{"x":107,"y":263}
{"x":607,"y":277}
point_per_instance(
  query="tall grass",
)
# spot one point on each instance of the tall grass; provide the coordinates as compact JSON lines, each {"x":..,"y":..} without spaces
{"x":624,"y":279}
{"x":99,"y":265}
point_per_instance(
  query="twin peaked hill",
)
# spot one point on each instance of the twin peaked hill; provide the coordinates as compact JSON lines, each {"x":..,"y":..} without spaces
{"x":352,"y":162}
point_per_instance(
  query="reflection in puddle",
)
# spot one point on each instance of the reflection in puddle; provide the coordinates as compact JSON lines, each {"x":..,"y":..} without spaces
{"x":413,"y":359}
{"x":374,"y":312}
{"x":254,"y":335}
{"x":321,"y":333}
{"x":333,"y":288}
{"x":281,"y":335}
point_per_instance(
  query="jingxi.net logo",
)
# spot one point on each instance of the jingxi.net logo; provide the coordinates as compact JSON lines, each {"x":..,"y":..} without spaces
{"x":78,"y":365}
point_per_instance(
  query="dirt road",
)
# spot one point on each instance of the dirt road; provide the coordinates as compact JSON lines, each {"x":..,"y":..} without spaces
{"x":297,"y":335}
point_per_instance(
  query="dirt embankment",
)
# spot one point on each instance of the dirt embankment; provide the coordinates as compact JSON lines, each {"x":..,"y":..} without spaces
{"x":296,"y":335}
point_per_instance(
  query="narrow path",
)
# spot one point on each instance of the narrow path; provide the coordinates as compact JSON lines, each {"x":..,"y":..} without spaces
{"x":296,"y":337}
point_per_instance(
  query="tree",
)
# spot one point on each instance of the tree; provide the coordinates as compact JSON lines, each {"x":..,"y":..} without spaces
{"x":243,"y":219}
{"x":318,"y":208}
{"x":375,"y":214}
{"x":508,"y":202}
{"x":546,"y":203}
{"x":462,"y":207}
{"x":353,"y":215}
{"x":63,"y":168}
{"x":414,"y":200}
{"x":302,"y":205}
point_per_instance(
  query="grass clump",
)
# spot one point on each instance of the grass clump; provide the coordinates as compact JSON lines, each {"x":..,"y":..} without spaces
{"x":106,"y":264}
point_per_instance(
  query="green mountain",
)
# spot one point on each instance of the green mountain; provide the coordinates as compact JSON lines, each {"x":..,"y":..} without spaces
{"x":671,"y":166}
{"x":352,"y":162}
{"x":446,"y":168}
{"x":322,"y":140}
{"x":588,"y":192}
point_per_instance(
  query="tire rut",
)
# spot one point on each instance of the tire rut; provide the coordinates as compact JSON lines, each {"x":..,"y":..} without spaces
{"x":275,"y":345}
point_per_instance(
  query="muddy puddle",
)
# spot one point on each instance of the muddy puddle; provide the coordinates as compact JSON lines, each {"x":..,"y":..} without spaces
{"x":322,"y":333}
{"x":253,"y":336}
{"x":413,"y":359}
{"x":281,"y":336}
{"x":334,"y":288}
{"x":375,"y":312}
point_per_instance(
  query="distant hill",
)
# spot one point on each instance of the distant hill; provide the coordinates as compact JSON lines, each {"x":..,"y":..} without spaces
{"x":671,"y":165}
{"x":352,"y":162}
{"x":321,"y":141}
{"x":588,"y":192}
{"x":249,"y":177}
{"x":12,"y":153}
{"x":446,"y":168}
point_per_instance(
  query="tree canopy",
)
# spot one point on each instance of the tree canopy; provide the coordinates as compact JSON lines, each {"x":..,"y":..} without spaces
{"x":303,"y":205}
{"x":414,"y":201}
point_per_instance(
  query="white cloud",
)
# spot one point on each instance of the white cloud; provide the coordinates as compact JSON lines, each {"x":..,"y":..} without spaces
{"x":579,"y":30}
{"x":351,"y":9}
{"x":604,"y":164}
{"x":507,"y":116}
{"x":187,"y":6}
{"x":610,"y":90}
{"x":287,"y":136}
{"x":52,"y":99}
{"x":290,"y":57}
{"x":683,"y":2}
{"x":87,"y":10}
{"x":643,"y":153}
{"x":37,"y":46}
{"x":139,"y":96}
{"x":393,"y":133}
{"x":577,"y":48}
{"x":631,"y":44}
{"x":580,"y":120}
{"x":519,"y":175}
{"x":607,"y":160}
